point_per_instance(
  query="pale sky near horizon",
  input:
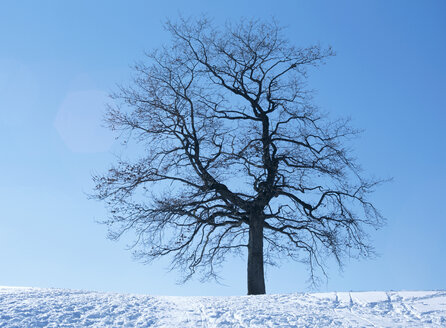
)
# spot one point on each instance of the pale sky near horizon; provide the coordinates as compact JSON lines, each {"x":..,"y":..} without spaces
{"x":60,"y":59}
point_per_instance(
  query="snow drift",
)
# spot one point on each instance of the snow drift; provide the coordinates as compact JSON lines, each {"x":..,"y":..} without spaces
{"x":37,"y":307}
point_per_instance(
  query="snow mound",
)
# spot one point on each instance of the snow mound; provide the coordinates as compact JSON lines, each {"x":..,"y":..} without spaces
{"x":37,"y":307}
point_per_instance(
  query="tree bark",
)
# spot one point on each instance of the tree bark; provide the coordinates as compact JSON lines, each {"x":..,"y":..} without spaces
{"x":256,"y":277}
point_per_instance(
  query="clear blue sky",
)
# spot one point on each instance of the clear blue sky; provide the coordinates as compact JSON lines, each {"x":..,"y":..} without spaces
{"x":59,"y":60}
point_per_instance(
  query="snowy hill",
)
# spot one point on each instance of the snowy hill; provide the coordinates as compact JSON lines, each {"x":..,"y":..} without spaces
{"x":36,"y":307}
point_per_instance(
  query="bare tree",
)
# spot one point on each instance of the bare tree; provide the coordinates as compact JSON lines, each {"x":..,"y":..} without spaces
{"x":235,"y":156}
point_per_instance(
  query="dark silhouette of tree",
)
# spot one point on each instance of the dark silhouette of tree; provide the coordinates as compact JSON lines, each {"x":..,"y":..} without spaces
{"x":235,"y":156}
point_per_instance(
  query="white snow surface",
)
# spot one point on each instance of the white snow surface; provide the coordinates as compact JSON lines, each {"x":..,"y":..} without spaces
{"x":39,"y":307}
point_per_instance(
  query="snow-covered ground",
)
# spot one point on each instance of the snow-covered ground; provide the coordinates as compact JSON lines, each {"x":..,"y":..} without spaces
{"x":37,"y":307}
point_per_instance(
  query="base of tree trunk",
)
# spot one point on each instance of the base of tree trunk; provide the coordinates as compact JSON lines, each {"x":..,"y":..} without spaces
{"x":256,"y":277}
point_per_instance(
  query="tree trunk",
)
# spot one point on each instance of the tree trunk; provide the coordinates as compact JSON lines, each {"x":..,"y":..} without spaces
{"x":256,"y":278}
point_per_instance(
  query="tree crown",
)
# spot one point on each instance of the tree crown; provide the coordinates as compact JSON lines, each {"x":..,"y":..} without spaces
{"x":230,"y":133}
